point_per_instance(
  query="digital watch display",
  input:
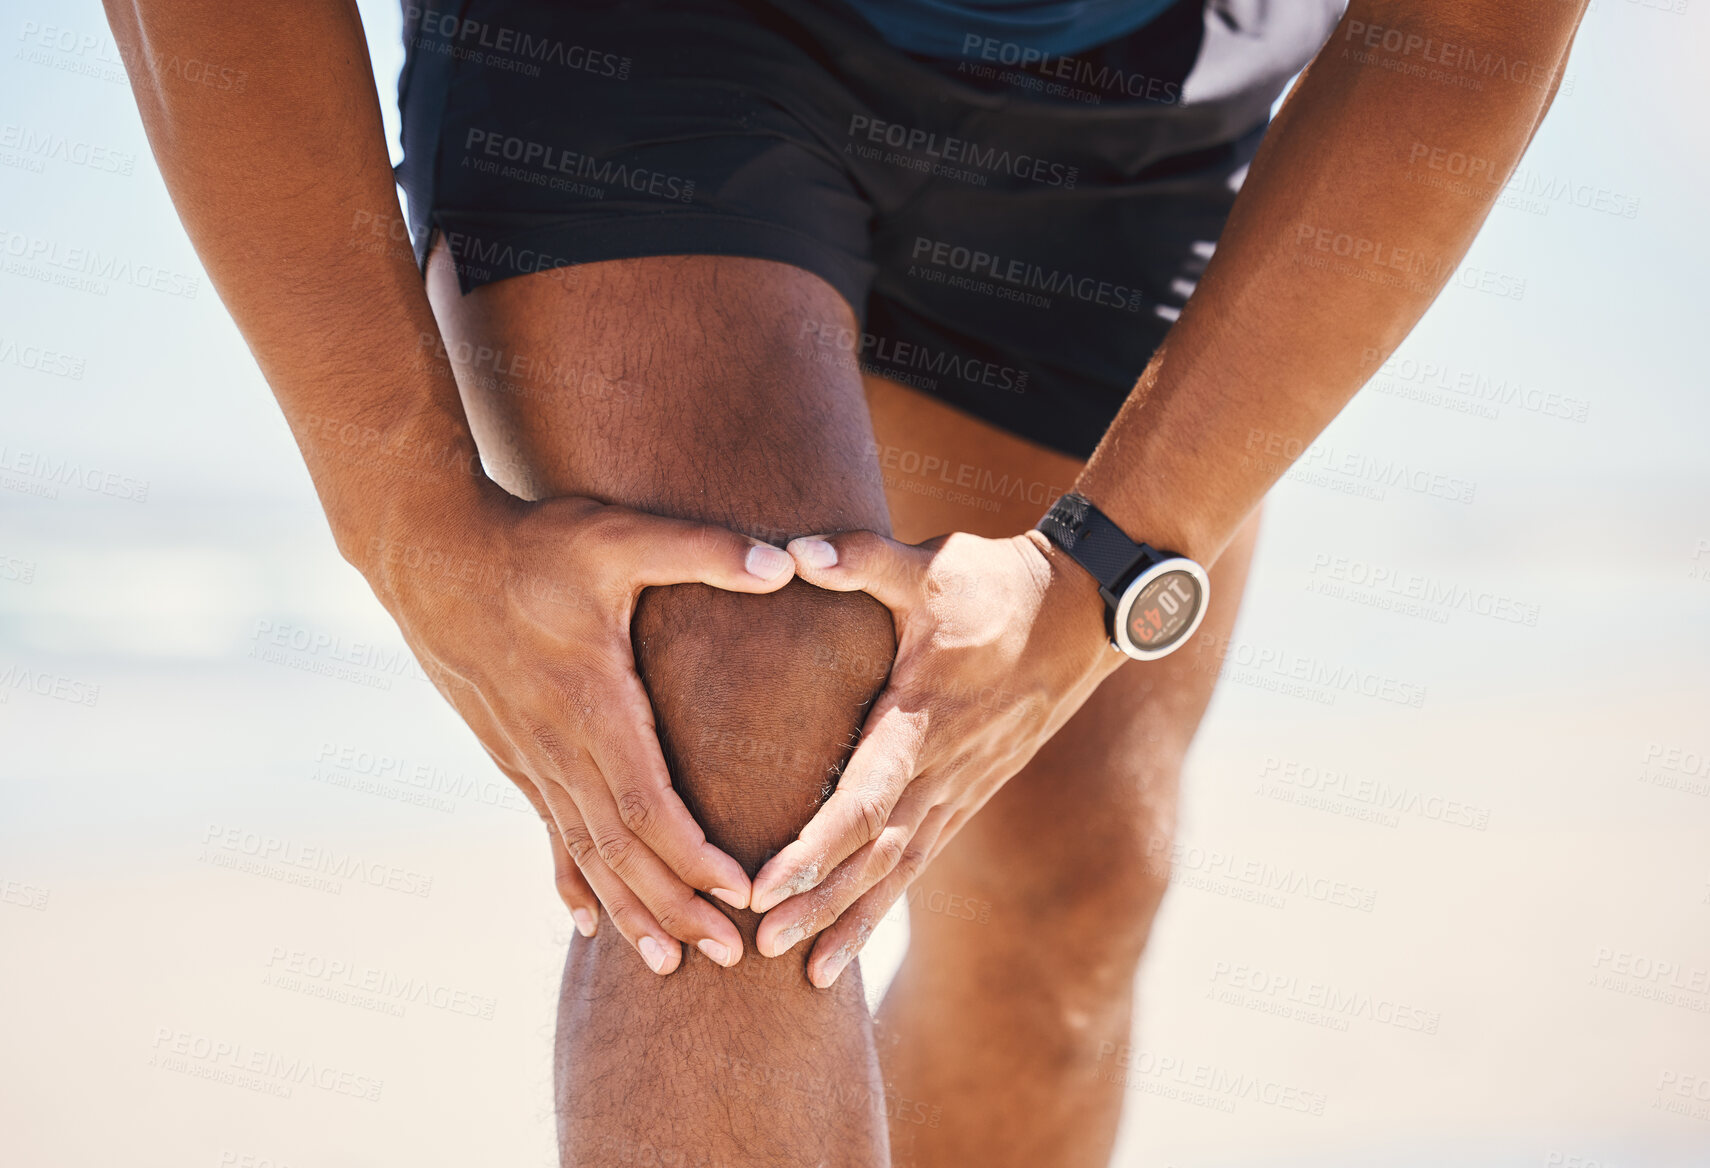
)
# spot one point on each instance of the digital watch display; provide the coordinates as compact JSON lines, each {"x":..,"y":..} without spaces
{"x":1154,"y":600}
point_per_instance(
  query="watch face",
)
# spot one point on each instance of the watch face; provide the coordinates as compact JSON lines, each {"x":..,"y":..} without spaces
{"x":1164,"y":610}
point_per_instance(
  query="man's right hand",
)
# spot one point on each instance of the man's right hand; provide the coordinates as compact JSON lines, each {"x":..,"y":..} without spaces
{"x":520,"y":612}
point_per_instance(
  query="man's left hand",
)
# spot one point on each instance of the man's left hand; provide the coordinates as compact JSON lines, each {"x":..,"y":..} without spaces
{"x":999,"y":641}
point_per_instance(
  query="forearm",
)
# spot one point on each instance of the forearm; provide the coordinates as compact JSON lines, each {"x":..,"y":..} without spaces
{"x":285,"y":189}
{"x":1330,"y":257}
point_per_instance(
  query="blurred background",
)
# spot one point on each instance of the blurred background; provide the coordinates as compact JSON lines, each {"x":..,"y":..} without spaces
{"x":191,"y":679}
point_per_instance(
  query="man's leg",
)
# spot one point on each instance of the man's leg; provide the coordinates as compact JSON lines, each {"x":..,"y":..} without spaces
{"x":1026,"y":932}
{"x":680,"y":385}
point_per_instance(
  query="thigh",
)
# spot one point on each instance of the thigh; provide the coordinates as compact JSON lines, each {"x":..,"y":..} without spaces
{"x":1105,"y":786}
{"x":681,"y":385}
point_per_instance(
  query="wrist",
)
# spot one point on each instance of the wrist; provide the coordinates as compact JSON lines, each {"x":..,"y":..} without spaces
{"x":381,"y":486}
{"x":421,"y":532}
{"x":1075,"y":595}
{"x":1155,"y":598}
{"x":1179,"y":530}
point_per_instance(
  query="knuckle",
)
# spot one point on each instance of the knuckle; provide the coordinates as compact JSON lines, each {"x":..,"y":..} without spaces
{"x":889,"y":850}
{"x":575,"y":696}
{"x":580,"y":847}
{"x":606,"y":527}
{"x":933,"y":586}
{"x":628,"y":918}
{"x":637,"y":810}
{"x":702,"y":544}
{"x":550,"y":744}
{"x":616,"y":848}
{"x":870,"y":813}
{"x":673,"y":918}
{"x":604,"y":542}
{"x":914,"y":858}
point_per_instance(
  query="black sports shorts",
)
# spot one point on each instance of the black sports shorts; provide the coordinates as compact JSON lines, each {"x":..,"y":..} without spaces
{"x":1014,"y":231}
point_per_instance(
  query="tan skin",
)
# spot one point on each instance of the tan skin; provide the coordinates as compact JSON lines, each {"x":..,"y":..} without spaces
{"x":565,"y":684}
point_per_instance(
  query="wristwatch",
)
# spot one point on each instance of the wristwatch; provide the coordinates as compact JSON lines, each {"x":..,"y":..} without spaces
{"x":1153,"y":600}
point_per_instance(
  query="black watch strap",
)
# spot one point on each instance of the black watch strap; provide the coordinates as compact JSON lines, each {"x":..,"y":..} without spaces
{"x":1095,"y":543}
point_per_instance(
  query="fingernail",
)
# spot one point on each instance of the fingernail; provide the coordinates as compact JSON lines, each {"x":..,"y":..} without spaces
{"x":831,"y":971}
{"x":733,"y":899}
{"x":783,"y":942}
{"x":653,"y":953}
{"x":801,"y":882}
{"x":816,"y":553}
{"x":768,"y":562}
{"x":719,"y":954}
{"x":585,"y":923}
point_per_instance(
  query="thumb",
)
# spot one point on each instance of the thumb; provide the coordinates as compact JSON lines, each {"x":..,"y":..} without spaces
{"x":656,"y":551}
{"x":892,"y":573}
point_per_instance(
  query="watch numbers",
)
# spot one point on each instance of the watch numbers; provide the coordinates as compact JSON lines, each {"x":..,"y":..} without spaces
{"x":1163,"y":610}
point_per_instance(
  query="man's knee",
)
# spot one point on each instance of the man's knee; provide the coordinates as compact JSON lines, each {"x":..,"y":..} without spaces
{"x":758,"y":701}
